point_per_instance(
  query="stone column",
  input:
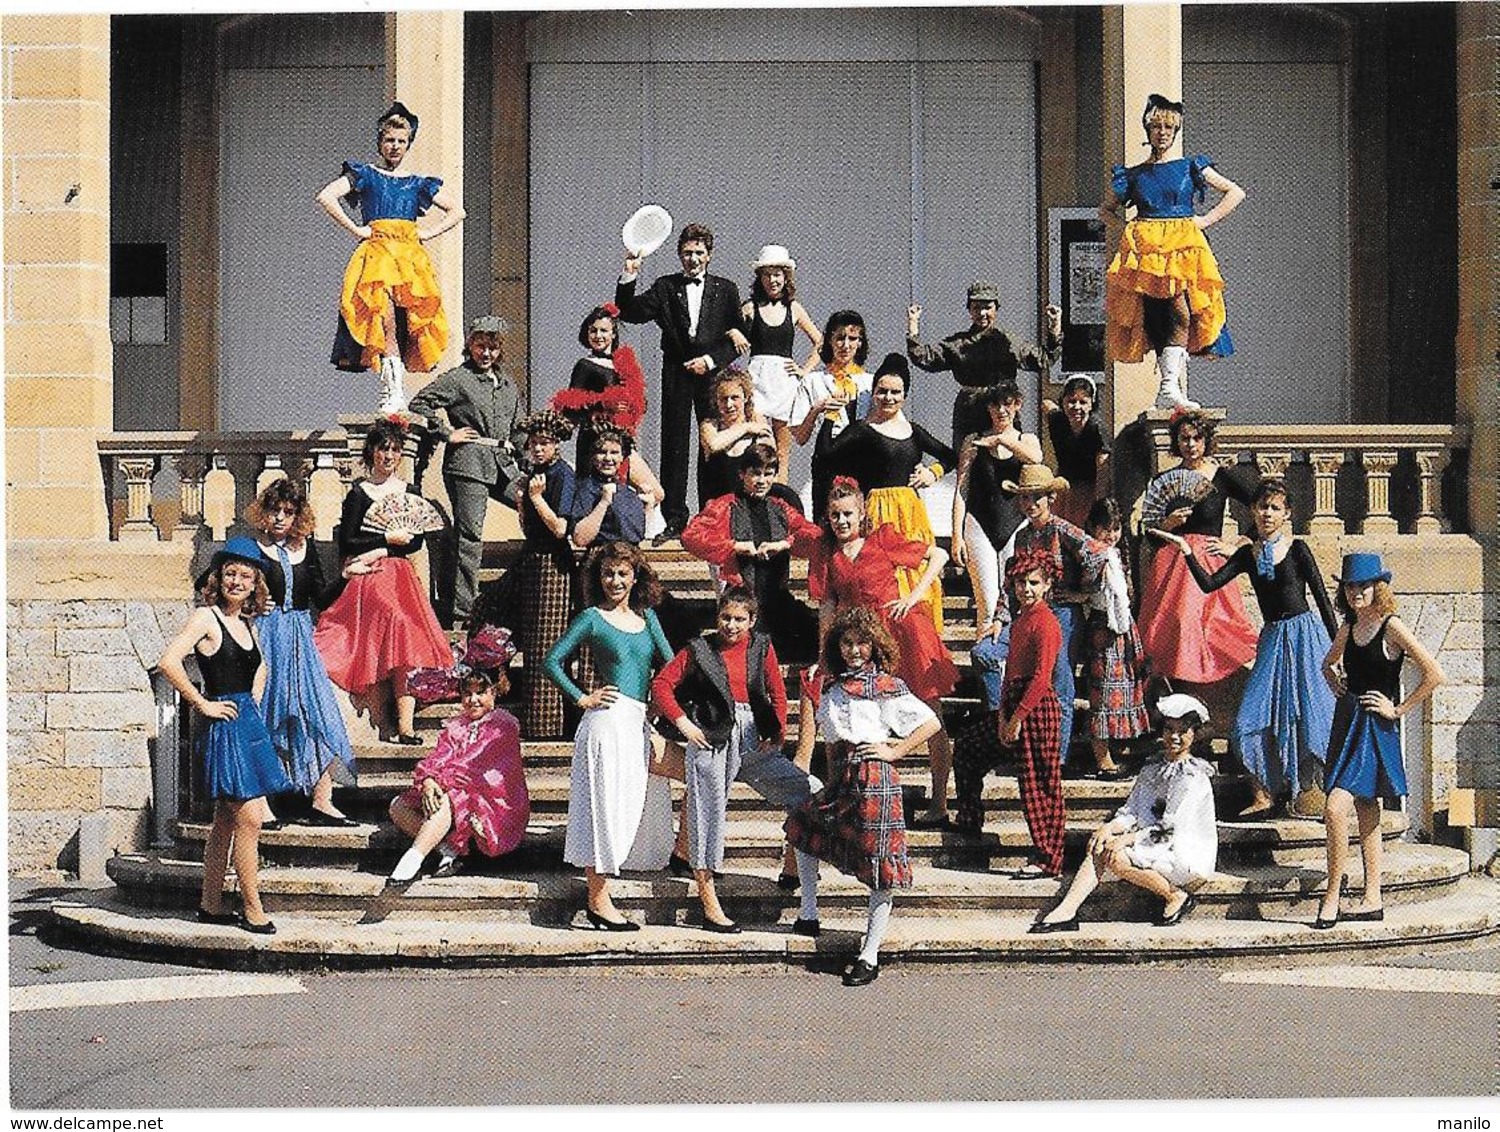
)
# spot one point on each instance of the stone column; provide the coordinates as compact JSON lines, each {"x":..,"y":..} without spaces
{"x":1478,"y":52}
{"x":425,"y":70}
{"x":58,"y":361}
{"x":1142,"y":54}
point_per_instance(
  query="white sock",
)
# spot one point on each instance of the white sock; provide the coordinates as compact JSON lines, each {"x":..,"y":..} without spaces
{"x":445,"y":855}
{"x":407,"y":867}
{"x":807,"y":873}
{"x":880,"y":918}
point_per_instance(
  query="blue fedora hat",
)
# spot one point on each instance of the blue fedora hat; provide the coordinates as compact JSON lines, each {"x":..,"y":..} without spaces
{"x":238,"y":549}
{"x":1361,"y":568}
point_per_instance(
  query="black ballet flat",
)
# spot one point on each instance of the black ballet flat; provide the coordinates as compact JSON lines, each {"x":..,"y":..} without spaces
{"x":1323,"y":925}
{"x":267,"y":928}
{"x":861,"y":974}
{"x":272,"y":826}
{"x":1370,"y":915}
{"x":1113,"y":774}
{"x":678,"y":866}
{"x":810,"y":928}
{"x":1042,"y":927}
{"x":788,"y":882}
{"x":1178,"y":916}
{"x":602,"y":925}
{"x":223,"y":919}
{"x":332,"y":821}
{"x":730,"y":928}
{"x":408,"y":740}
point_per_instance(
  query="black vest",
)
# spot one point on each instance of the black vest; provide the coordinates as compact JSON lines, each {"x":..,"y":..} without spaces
{"x":704,"y":690}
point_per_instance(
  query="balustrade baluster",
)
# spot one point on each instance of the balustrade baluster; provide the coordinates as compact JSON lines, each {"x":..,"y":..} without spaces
{"x":1430,"y":465}
{"x":191,"y":467}
{"x":138,"y":472}
{"x":1325,"y":518}
{"x":1378,"y":517}
{"x":325,"y":493}
{"x":218,"y":498}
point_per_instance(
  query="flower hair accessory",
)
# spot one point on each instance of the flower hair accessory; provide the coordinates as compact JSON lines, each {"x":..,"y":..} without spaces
{"x":845,"y":481}
{"x":610,"y":309}
{"x":399,"y":419}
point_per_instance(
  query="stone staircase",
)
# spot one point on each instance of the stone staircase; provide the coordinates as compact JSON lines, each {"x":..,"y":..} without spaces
{"x":325,"y":887}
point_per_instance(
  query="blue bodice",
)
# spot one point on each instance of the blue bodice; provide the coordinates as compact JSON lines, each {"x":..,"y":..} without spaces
{"x":1165,"y":190}
{"x":390,"y":196}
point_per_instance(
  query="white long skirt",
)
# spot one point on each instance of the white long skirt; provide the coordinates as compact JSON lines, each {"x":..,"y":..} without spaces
{"x":619,"y":814}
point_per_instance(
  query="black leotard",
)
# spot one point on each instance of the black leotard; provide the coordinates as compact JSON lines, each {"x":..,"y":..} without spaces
{"x":232,"y":667}
{"x":877,"y":460}
{"x":773,"y":340}
{"x":1281,"y":596}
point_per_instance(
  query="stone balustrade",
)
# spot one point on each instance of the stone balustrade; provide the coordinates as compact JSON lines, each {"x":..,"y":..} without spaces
{"x":181,"y":486}
{"x":1350,"y":479}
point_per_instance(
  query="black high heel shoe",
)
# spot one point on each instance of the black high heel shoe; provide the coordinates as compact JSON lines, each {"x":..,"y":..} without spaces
{"x":601,"y":924}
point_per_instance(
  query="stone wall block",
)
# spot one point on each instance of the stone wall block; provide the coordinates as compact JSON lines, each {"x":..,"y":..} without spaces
{"x":29,"y":642}
{"x":37,"y":838}
{"x":91,"y":614}
{"x":36,"y":674}
{"x":100,"y":711}
{"x":1457,"y":703}
{"x":1463,"y":666}
{"x":106,"y":674}
{"x":35,"y":748}
{"x":95,"y":642}
{"x":125,"y":787}
{"x":25,"y":711}
{"x":1430,"y":625}
{"x":145,"y":633}
{"x":55,"y":788}
{"x":1469,"y":607}
{"x":106,"y":749}
{"x":1464,"y":635}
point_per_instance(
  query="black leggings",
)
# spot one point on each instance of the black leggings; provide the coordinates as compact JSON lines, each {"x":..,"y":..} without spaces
{"x":1166,"y":320}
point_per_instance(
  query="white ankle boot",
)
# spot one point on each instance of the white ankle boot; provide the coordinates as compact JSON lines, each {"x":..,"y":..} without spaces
{"x":392,"y":385}
{"x":1171,"y":368}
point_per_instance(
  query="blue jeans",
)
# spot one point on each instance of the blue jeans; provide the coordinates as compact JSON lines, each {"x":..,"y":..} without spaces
{"x":989,"y":657}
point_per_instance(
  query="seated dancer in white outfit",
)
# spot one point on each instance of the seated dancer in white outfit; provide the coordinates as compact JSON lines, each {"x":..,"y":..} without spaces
{"x":1164,"y":838}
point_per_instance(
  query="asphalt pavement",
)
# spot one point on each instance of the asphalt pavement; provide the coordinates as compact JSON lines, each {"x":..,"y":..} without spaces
{"x":90,"y":1032}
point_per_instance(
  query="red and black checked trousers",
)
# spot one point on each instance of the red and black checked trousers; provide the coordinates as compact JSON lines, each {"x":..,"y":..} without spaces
{"x":1039,"y":774}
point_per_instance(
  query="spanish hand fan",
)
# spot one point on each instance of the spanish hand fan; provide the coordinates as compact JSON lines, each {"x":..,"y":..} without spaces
{"x":402,"y":512}
{"x":1177,"y":487}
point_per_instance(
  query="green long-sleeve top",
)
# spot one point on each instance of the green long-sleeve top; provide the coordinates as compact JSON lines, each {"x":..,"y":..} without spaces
{"x":620,"y":658}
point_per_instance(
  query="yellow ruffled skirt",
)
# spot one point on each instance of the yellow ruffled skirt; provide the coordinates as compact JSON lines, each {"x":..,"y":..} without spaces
{"x":1162,"y":259}
{"x":393,"y":262}
{"x":903,"y":509}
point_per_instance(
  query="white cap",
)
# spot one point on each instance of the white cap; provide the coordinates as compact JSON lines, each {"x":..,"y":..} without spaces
{"x":1179,"y":705}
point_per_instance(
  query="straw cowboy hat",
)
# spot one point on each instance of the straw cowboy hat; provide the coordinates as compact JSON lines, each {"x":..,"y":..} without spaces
{"x":1036,"y":479}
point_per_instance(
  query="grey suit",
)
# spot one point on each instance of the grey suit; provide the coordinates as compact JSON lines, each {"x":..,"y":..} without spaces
{"x":473,"y":473}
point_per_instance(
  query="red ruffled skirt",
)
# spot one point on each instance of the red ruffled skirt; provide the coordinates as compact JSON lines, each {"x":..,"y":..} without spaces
{"x":1188,"y":634}
{"x":382,"y":622}
{"x":926,"y":666}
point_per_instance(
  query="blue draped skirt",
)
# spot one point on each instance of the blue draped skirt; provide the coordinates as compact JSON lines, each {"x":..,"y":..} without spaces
{"x":1365,"y":754}
{"x":238,"y":759}
{"x":299,"y":709}
{"x":1287,"y":711}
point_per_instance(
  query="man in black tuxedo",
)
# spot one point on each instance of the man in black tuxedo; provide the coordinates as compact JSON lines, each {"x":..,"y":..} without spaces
{"x":695,"y":311}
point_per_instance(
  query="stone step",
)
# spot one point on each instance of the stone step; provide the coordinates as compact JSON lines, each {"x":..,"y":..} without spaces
{"x":549,"y":788}
{"x":1468,"y":909}
{"x":497,"y":889}
{"x":1005,"y":838}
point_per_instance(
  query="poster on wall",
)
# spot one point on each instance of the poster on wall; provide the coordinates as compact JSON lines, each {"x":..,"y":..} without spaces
{"x":1076,"y":237}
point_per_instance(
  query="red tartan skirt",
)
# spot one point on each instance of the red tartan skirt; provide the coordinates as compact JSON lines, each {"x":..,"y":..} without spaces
{"x":382,"y":622}
{"x":1117,"y":697}
{"x":855,"y":823}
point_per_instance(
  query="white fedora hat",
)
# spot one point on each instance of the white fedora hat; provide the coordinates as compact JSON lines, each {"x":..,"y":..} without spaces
{"x":647,"y":229}
{"x":774,"y":255}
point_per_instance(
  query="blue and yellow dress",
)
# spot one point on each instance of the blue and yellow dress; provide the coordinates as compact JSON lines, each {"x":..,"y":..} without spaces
{"x":1163,"y":254}
{"x":392,"y":261}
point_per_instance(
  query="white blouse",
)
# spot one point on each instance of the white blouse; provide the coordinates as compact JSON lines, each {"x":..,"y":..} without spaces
{"x":819,"y":384}
{"x":851,"y":719}
{"x":1172,"y":804}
